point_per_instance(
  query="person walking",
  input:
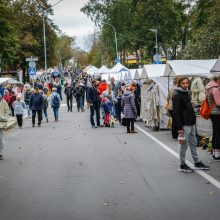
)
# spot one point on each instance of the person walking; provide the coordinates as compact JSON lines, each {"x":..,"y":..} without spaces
{"x":13,"y":99}
{"x":19,"y":107}
{"x":213,"y":95}
{"x":4,"y":116}
{"x":36,"y":105}
{"x":69,"y":96}
{"x":129,"y":109}
{"x":45,"y":105}
{"x":94,"y":104}
{"x":55,"y":102}
{"x":185,"y":120}
{"x":118,"y":104}
{"x":7,"y":97}
{"x":78,"y":94}
{"x":27,"y":98}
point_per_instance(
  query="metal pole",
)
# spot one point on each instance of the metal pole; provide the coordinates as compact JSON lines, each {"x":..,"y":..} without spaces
{"x":116,"y":41}
{"x":45,"y":44}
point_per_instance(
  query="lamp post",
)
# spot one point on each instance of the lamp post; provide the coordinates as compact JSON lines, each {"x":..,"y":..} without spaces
{"x":116,"y":41}
{"x":156,"y":46}
{"x":44,"y":33}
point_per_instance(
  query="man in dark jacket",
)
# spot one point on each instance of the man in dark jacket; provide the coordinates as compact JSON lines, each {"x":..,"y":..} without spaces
{"x":94,"y":103}
{"x":27,"y":98}
{"x":185,"y":120}
{"x":69,"y":96}
{"x":78,"y":94}
{"x":36,"y":105}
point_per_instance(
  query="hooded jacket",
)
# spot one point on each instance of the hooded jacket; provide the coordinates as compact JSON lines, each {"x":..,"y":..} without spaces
{"x":4,"y":114}
{"x":128,"y":105}
{"x":183,"y":112}
{"x":102,"y":87}
{"x":213,"y":94}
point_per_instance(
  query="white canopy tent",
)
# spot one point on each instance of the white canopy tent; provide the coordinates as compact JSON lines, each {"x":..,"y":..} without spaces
{"x":118,"y":68}
{"x":189,"y":67}
{"x":131,"y":74}
{"x":92,"y":71}
{"x":216,"y":68}
{"x":152,"y":70}
{"x":137,"y":74}
{"x":9,"y":81}
{"x":103,"y":70}
{"x":105,"y":76}
{"x":87,"y":68}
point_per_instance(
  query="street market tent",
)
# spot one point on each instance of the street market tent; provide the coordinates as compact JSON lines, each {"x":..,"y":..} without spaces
{"x":87,"y":68}
{"x":9,"y":81}
{"x":116,"y":76}
{"x":131,"y":74}
{"x":103,"y":70}
{"x":216,"y":67}
{"x":189,"y":67}
{"x":152,"y":70}
{"x":137,"y":74}
{"x":118,"y":68}
{"x":105,"y":76}
{"x":92,"y":70}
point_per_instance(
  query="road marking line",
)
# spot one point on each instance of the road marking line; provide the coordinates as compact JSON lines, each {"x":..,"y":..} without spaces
{"x":164,"y":146}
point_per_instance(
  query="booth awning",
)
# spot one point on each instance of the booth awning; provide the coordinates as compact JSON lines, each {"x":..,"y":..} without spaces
{"x":152,"y":70}
{"x":118,"y":68}
{"x":216,"y":67}
{"x":189,"y":67}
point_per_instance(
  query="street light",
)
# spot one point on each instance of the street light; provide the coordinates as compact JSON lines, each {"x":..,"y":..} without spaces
{"x":156,"y":46}
{"x":116,"y":41}
{"x":44,"y":33}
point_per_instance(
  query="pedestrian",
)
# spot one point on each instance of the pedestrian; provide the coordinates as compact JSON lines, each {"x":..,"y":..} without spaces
{"x":13,"y":99}
{"x":102,"y":87}
{"x":118,"y":104}
{"x":45,"y":105}
{"x":27,"y":98}
{"x":69,"y":96}
{"x":78,"y":94}
{"x":94,"y":104}
{"x":106,"y":105}
{"x":185,"y":120}
{"x":213,"y":95}
{"x":129,"y":109}
{"x":4,"y":116}
{"x":169,"y":107}
{"x":7,"y":97}
{"x":19,"y":107}
{"x":2,"y":90}
{"x":55,"y":102}
{"x":36,"y":105}
{"x":59,"y":88}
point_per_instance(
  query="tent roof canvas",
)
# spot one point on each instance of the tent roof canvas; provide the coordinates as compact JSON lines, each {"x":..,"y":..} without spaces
{"x":9,"y":80}
{"x":189,"y":67}
{"x":216,"y":67}
{"x":152,"y":70}
{"x":87,"y":68}
{"x":131,"y":74}
{"x":92,"y":70}
{"x":103,"y":69}
{"x":137,"y":74}
{"x":118,"y":68}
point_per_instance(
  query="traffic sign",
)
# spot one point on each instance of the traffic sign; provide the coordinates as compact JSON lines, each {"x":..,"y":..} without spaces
{"x":31,"y":59}
{"x":32,"y":71}
{"x":32,"y":64}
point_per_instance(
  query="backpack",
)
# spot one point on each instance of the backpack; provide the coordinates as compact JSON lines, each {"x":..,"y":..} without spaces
{"x":206,"y":110}
{"x":56,"y":101}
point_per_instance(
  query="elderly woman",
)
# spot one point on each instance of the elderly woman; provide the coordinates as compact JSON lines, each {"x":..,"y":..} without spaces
{"x":129,"y":109}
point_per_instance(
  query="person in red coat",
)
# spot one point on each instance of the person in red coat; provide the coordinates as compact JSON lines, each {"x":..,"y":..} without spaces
{"x":7,"y":97}
{"x":13,"y":99}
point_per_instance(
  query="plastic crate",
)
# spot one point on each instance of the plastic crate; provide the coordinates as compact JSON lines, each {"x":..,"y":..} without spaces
{"x":203,"y":126}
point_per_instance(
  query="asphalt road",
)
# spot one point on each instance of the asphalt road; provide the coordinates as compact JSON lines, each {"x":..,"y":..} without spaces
{"x":69,"y":171}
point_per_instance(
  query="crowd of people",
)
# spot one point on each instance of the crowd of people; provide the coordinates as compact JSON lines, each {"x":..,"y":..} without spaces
{"x":110,"y":102}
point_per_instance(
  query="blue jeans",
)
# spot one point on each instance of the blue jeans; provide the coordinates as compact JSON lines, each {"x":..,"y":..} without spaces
{"x":56,"y":112}
{"x":45,"y":112}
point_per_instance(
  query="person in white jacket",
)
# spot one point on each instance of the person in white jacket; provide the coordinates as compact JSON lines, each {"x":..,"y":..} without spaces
{"x":4,"y":116}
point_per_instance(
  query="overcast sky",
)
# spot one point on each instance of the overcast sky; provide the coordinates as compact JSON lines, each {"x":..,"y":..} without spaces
{"x":69,"y":18}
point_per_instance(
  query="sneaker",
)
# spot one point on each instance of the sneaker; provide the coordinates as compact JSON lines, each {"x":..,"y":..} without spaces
{"x":1,"y":157}
{"x":47,"y":120}
{"x":201,"y":166}
{"x":128,"y":132}
{"x":39,"y":125}
{"x":94,"y":126}
{"x":33,"y":125}
{"x":186,"y":169}
{"x":134,"y":132}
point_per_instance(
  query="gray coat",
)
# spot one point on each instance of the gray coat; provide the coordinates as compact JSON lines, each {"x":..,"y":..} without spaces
{"x":128,"y":105}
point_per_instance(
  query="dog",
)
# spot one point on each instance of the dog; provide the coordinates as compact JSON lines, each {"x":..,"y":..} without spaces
{"x":112,"y":121}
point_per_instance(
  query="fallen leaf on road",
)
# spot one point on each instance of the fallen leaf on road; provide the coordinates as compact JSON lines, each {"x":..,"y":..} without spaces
{"x":209,"y":161}
{"x":20,"y":163}
{"x":61,"y":187}
{"x":81,"y":163}
{"x":207,"y":182}
{"x":125,"y":142}
{"x":20,"y":148}
{"x":106,"y":204}
{"x":209,"y":193}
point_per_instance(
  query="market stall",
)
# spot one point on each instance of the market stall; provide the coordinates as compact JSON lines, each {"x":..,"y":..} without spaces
{"x":199,"y":72}
{"x":153,"y":96}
